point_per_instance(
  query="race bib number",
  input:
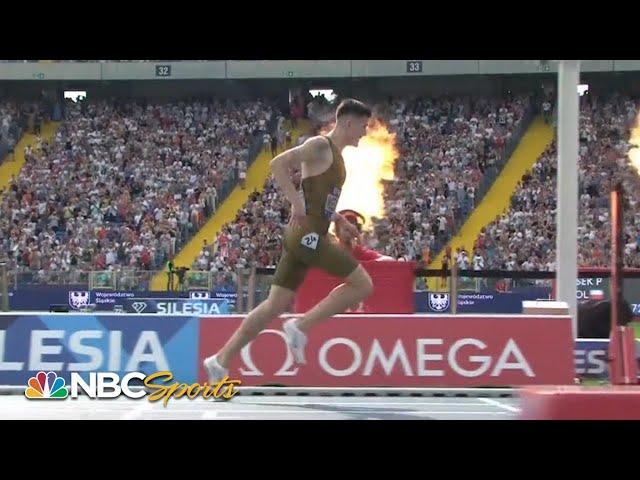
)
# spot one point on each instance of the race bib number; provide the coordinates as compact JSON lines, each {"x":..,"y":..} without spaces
{"x":331,"y":203}
{"x":310,"y":240}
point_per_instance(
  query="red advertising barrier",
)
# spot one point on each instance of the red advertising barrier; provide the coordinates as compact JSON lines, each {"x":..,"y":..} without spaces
{"x":550,"y":402}
{"x":392,"y":288}
{"x":404,"y":351}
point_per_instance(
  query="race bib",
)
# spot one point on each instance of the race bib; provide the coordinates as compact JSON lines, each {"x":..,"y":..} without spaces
{"x":331,"y":203}
{"x":310,"y":240}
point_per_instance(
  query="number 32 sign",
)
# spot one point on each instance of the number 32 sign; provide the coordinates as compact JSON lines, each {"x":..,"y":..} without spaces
{"x":163,"y":70}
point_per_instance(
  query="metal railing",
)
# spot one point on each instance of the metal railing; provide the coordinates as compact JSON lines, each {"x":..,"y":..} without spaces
{"x":255,"y":283}
{"x":119,"y":279}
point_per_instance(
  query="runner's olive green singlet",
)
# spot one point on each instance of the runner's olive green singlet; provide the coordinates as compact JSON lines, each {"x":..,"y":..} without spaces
{"x":310,"y":246}
{"x":322,"y":192}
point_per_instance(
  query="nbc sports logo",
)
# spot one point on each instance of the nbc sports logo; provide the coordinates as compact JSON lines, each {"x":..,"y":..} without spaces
{"x":438,"y":302}
{"x":99,"y":385}
{"x":46,"y":386}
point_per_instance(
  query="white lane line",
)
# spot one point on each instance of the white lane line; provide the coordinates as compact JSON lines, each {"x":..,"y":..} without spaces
{"x":137,"y":412}
{"x":324,"y":412}
{"x":368,"y":404}
{"x":140,"y":414}
{"x":504,"y":406}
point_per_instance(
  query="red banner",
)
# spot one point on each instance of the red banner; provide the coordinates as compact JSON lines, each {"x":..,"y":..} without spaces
{"x":405,"y":351}
{"x":392,"y":288}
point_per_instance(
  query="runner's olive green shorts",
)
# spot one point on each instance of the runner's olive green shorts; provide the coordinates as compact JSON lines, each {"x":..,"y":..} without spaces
{"x":304,"y":249}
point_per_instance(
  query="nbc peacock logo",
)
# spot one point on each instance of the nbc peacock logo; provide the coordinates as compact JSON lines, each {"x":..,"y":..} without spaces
{"x":46,"y":386}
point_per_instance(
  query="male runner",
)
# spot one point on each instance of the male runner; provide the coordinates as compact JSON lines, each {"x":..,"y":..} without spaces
{"x":305,"y":242}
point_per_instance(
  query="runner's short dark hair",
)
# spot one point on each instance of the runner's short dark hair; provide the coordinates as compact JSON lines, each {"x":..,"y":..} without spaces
{"x":351,"y":106}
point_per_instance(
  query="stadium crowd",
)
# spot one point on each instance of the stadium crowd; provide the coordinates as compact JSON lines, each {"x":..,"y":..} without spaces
{"x":447,"y":147}
{"x":124,"y":184}
{"x":523,"y":238}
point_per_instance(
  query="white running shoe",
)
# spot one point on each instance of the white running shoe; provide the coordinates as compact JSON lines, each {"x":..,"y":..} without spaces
{"x":215,"y":371}
{"x":296,"y":340}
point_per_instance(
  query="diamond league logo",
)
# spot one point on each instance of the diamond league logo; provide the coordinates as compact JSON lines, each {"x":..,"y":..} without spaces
{"x":199,"y":295}
{"x":139,"y":307}
{"x":438,"y":302}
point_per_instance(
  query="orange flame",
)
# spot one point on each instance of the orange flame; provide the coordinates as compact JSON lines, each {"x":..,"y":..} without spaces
{"x":367,"y":165}
{"x":634,"y":151}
